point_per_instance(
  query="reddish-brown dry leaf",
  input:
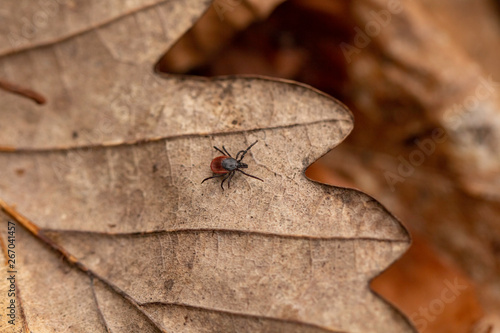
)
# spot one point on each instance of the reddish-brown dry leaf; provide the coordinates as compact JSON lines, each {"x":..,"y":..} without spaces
{"x":212,"y":31}
{"x":107,"y":175}
{"x":414,"y":59}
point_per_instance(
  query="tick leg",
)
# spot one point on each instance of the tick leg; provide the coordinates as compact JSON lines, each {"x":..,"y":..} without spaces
{"x":213,"y":177}
{"x":226,"y":151}
{"x":229,"y":180}
{"x":243,"y":172}
{"x":223,"y":153}
{"x":243,"y":152}
{"x":227,"y":176}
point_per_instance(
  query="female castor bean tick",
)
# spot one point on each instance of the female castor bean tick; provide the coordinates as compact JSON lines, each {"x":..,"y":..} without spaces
{"x":226,"y":166}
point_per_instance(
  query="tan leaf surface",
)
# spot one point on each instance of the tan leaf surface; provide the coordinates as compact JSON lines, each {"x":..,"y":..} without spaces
{"x":146,"y":246}
{"x":87,"y":81}
{"x":26,"y":24}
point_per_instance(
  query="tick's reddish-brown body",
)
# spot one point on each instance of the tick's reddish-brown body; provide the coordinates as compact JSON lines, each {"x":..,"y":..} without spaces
{"x":226,"y":166}
{"x":216,"y":165}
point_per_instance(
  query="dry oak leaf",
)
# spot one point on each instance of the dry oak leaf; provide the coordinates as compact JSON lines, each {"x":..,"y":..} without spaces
{"x":98,"y":78}
{"x":285,"y":254}
{"x":149,"y":248}
{"x":27,"y":24}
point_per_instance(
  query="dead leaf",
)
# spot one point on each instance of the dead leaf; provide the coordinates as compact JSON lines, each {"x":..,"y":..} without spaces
{"x":28,"y":25}
{"x":392,"y":117}
{"x":99,"y":83}
{"x":422,"y":62}
{"x":284,"y":249}
{"x":212,"y":31}
{"x":107,"y":176}
{"x":435,"y":281}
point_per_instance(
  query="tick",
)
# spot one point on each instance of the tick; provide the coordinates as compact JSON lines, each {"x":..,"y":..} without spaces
{"x":226,"y":166}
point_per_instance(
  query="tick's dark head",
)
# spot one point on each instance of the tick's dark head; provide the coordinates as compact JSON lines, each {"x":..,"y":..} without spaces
{"x":242,"y":165}
{"x":230,"y":164}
